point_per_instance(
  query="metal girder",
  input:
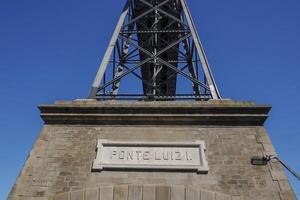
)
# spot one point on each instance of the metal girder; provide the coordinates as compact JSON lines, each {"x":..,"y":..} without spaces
{"x":206,"y":68}
{"x":145,"y":13}
{"x":109,"y":50}
{"x":193,"y":79}
{"x":191,"y":66}
{"x":120,"y":69}
{"x":182,"y":73}
{"x":165,"y":13}
{"x":143,"y":62}
{"x":160,"y":38}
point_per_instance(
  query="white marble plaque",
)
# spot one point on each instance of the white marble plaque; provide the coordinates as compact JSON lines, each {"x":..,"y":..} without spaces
{"x":151,"y":156}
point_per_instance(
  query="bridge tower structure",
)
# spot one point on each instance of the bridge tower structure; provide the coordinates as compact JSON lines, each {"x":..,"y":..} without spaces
{"x":155,"y":41}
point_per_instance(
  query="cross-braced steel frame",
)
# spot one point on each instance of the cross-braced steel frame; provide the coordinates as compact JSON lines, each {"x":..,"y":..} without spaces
{"x":156,"y":41}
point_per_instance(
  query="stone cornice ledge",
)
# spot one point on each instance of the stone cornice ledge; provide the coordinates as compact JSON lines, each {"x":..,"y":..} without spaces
{"x":214,"y":112}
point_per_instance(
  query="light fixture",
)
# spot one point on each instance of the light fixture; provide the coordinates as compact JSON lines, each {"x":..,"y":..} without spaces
{"x":260,"y":160}
{"x":263,"y":160}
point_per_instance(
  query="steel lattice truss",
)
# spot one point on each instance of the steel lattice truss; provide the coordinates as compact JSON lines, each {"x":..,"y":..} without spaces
{"x":155,"y":41}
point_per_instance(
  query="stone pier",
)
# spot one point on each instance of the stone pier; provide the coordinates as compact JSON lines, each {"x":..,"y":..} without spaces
{"x":60,"y":165}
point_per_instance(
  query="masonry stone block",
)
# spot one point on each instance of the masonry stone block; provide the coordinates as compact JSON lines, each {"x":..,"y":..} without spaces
{"x":149,"y":192}
{"x":177,"y":193}
{"x":77,"y":195}
{"x":192,"y":194}
{"x":120,"y":192}
{"x":135,"y":192}
{"x":236,"y":198}
{"x":62,"y":196}
{"x":222,"y":197}
{"x":163,"y":193}
{"x":287,"y":195}
{"x":278,"y":175}
{"x":207,"y":195}
{"x":92,"y":194}
{"x":107,"y":193}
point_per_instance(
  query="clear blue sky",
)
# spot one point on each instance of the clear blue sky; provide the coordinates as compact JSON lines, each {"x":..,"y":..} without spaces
{"x":50,"y":50}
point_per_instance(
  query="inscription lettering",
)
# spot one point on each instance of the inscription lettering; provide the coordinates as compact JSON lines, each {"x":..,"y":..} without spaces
{"x":177,"y":155}
{"x":156,"y":156}
{"x":146,"y":155}
{"x":150,"y":155}
{"x":164,"y":155}
{"x":113,"y":153}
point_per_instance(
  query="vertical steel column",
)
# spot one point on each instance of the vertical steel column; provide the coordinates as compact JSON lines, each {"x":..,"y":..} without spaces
{"x":122,"y":58}
{"x":206,"y":68}
{"x":108,"y":52}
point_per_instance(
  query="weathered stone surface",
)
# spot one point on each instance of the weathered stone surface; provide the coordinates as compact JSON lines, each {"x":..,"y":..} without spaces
{"x":92,"y":194}
{"x":222,"y":197}
{"x":62,"y":157}
{"x":278,"y":175}
{"x":208,"y":195}
{"x":192,"y":194}
{"x":62,"y":196}
{"x":177,"y":193}
{"x":135,"y":192}
{"x":77,"y":195}
{"x":163,"y":193}
{"x":155,"y":113}
{"x":236,"y":198}
{"x":106,"y":193}
{"x":121,"y":192}
{"x":149,"y":192}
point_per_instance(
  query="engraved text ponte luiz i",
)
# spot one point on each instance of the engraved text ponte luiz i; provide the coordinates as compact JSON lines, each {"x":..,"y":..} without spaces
{"x":139,"y":155}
